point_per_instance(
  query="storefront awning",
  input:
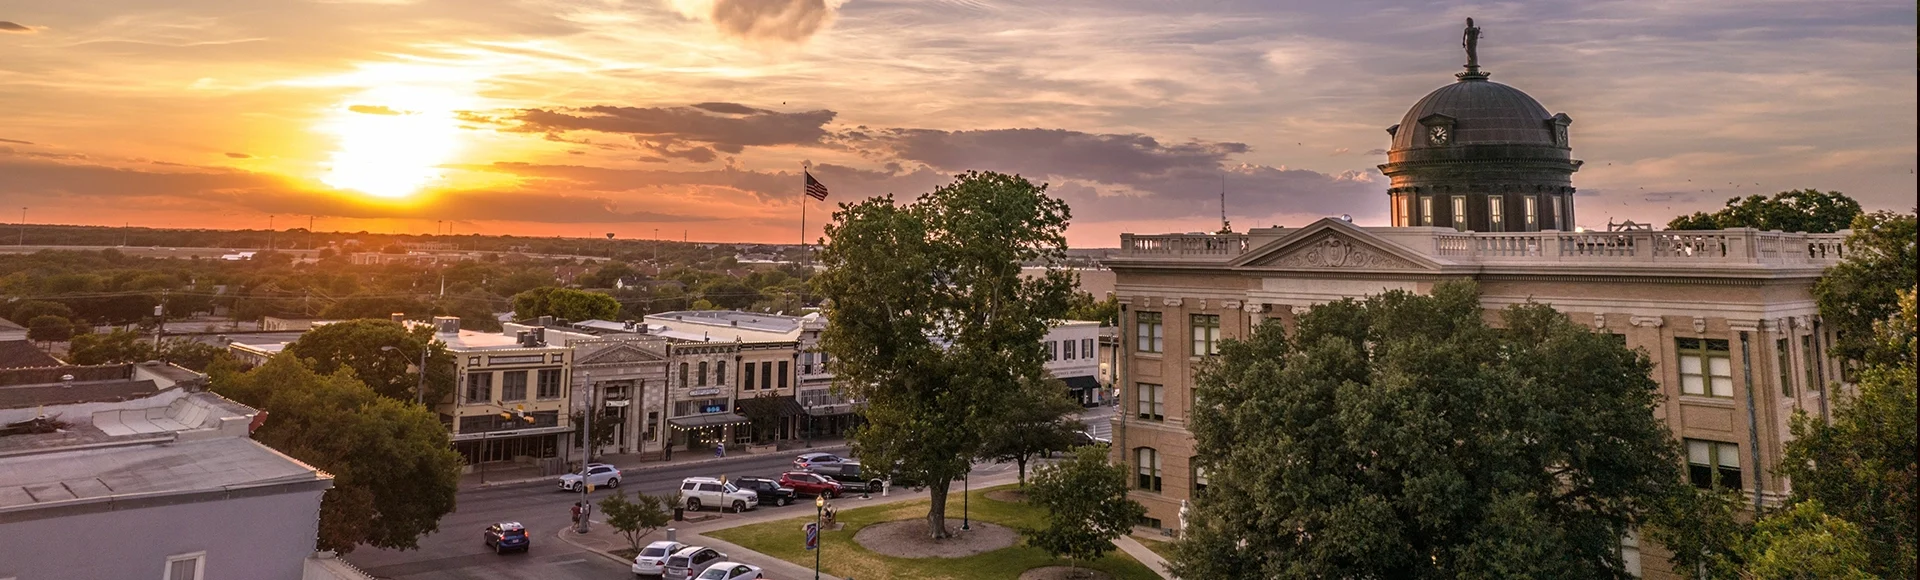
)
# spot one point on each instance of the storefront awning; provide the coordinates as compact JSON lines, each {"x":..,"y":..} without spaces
{"x":783,"y":406}
{"x":1081,"y":383}
{"x":705,"y":421}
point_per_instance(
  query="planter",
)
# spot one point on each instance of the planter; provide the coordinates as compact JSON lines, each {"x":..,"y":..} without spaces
{"x":679,"y":514}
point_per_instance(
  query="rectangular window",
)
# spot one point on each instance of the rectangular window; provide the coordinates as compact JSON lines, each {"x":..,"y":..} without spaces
{"x":1053,"y":350}
{"x":1400,"y":205}
{"x":1086,"y":348}
{"x":1706,"y":367}
{"x":549,"y":384}
{"x":1784,"y":356}
{"x":1630,"y":553}
{"x":185,"y":567}
{"x":1806,"y":365}
{"x":1199,"y":478}
{"x":1460,"y":212}
{"x":746,"y":377}
{"x":1496,"y":215}
{"x":700,"y":379}
{"x":766,"y":375}
{"x":1067,"y":348}
{"x":513,"y":386}
{"x":1533,"y":213}
{"x":1147,"y":466}
{"x":1149,"y":331}
{"x":1557,"y":223}
{"x":683,"y":375}
{"x":1206,"y":334}
{"x":783,"y":374}
{"x":479,"y":387}
{"x":720,"y":374}
{"x":1153,"y":401}
{"x":1713,"y":463}
{"x":1426,"y":210}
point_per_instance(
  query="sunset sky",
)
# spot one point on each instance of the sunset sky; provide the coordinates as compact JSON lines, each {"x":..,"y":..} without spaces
{"x":578,"y":118}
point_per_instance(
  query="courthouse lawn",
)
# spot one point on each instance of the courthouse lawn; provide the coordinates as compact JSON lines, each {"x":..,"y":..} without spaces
{"x":1164,"y":549}
{"x":841,"y":556}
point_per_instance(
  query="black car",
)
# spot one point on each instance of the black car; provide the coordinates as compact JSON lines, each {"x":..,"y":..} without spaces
{"x":769,"y":490}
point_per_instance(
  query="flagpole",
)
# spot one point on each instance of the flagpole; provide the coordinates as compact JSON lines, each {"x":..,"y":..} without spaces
{"x":803,"y":213}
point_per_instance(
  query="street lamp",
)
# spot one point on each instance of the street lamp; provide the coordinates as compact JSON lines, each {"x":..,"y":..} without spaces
{"x":420,"y":388}
{"x":819,"y":508}
{"x":966,"y":501}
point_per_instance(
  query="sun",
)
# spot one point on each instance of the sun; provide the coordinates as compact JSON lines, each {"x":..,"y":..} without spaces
{"x":392,"y":140}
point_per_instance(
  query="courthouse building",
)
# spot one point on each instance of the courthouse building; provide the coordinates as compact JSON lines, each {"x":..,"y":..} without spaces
{"x":1481,"y":190}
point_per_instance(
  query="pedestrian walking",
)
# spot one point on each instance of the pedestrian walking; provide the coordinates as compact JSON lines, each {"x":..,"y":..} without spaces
{"x":576,"y":513}
{"x":720,"y":449}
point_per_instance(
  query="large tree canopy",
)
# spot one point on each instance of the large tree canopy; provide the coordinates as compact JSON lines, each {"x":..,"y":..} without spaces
{"x":359,"y":345}
{"x":564,"y":303}
{"x":1803,"y":210}
{"x":1864,"y":288}
{"x":932,"y":323}
{"x":395,"y":472}
{"x":1404,"y":437}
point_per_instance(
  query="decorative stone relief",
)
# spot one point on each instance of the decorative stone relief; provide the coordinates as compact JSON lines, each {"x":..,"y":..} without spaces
{"x":1230,"y":304}
{"x":1298,"y":309}
{"x":1652,"y":321}
{"x":1699,"y":324}
{"x":1203,"y":305}
{"x":1749,"y":324}
{"x":1599,"y":321}
{"x":1339,"y":252}
{"x":1171,"y":302}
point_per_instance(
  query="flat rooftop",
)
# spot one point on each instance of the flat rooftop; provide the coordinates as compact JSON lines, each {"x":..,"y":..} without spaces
{"x":733,"y":319}
{"x":111,"y":474}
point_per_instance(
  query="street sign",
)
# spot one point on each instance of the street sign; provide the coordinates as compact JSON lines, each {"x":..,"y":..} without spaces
{"x":813,"y":536}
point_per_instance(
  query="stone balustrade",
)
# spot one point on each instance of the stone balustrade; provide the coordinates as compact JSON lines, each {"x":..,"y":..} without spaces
{"x":1731,"y":246}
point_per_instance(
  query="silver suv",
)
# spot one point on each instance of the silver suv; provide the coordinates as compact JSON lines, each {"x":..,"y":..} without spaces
{"x":698,"y":492}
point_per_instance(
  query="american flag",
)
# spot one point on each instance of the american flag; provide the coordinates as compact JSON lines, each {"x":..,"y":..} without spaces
{"x":814,"y":188}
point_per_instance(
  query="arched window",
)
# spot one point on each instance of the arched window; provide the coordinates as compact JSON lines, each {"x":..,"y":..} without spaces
{"x":700,"y":380}
{"x":1147,"y":466}
{"x":720,"y":374}
{"x":683,"y":374}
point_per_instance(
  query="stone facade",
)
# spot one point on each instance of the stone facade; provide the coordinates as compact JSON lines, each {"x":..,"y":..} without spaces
{"x":1736,"y":301}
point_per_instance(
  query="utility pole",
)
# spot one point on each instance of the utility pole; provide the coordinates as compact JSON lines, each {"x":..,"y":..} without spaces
{"x":160,"y":312}
{"x":586,"y":455}
{"x":23,"y":226}
{"x":269,"y":232}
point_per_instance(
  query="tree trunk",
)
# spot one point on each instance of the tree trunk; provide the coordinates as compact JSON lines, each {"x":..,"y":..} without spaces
{"x":1022,"y":461}
{"x":937,"y":513}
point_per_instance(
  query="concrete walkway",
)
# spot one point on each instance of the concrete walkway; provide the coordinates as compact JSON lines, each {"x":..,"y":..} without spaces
{"x":603,"y":540}
{"x":1145,"y":555}
{"x":627,"y":462}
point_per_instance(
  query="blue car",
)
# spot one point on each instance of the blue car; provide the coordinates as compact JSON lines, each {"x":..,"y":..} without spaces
{"x":506,"y":537}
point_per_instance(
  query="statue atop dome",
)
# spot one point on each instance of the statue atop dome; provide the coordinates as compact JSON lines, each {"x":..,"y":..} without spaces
{"x":1470,"y":38}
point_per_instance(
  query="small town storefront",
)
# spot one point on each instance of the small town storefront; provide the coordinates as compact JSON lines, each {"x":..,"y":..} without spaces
{"x":703,"y":431}
{"x":489,"y":441}
{"x":1084,"y":390}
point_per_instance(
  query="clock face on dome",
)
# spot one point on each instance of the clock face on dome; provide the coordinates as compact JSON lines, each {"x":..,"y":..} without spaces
{"x":1439,"y":134}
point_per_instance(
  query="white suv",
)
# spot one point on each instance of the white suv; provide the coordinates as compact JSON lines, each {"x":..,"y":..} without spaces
{"x":698,"y":492}
{"x":598,"y":475}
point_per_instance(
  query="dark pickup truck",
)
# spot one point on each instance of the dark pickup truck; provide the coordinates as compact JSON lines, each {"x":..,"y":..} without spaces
{"x":854,"y":478}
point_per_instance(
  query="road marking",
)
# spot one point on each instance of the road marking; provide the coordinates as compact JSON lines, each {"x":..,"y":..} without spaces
{"x":573,"y":561}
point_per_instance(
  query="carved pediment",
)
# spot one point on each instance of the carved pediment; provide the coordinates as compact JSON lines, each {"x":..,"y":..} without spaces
{"x":1335,"y":251}
{"x":620,"y":354}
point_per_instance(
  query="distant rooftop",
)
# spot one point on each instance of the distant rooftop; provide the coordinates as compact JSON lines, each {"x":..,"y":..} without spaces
{"x":32,"y":387}
{"x":19,"y":354}
{"x":735,"y":318}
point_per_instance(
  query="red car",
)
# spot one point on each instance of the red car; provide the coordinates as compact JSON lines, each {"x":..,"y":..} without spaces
{"x":810,"y":483}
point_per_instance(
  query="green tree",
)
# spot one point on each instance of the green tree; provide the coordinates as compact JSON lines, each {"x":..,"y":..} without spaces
{"x":933,"y":324}
{"x":358,"y":344}
{"x":729,"y":294}
{"x":119,"y":346}
{"x":634,"y":519}
{"x":1861,"y":467}
{"x":603,"y":427}
{"x":190,"y":354}
{"x":49,"y":328}
{"x":1803,"y":210}
{"x":1084,"y":307}
{"x":1087,"y":506}
{"x":1404,"y":437}
{"x":564,"y":303}
{"x":1864,"y":288}
{"x":1703,"y":528}
{"x":395,"y":471}
{"x":1804,"y":542}
{"x":1038,"y":422}
{"x":377,"y":306}
{"x":28,"y":310}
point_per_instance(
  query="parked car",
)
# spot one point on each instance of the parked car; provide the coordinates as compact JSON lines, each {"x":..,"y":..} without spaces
{"x":652,"y":560}
{"x":809,"y":460}
{"x":810,"y":483}
{"x":768,"y":490}
{"x":730,"y":571}
{"x":851,"y":476}
{"x":706,"y":491}
{"x":598,"y":475}
{"x":1085,"y":438}
{"x":506,"y":537}
{"x":690,"y":561}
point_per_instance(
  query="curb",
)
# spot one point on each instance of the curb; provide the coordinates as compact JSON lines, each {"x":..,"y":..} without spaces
{"x":564,"y":532}
{"x":644,"y":467}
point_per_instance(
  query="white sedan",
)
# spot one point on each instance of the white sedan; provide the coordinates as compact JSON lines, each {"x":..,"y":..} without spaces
{"x":652,"y":560}
{"x":731,"y":571}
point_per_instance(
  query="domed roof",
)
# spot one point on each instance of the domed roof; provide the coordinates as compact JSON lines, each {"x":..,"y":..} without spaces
{"x":1481,"y":111}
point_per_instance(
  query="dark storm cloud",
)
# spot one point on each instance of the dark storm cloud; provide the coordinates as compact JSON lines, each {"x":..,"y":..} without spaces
{"x":373,"y":110}
{"x":726,"y":127}
{"x":771,"y":20}
{"x":16,"y":141}
{"x":239,"y":155}
{"x":12,"y":27}
{"x":1107,"y":158}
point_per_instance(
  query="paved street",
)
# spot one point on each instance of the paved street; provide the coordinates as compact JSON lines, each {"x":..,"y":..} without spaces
{"x":455,"y":552}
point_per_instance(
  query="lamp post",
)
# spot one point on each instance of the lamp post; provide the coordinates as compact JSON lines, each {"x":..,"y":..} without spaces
{"x":419,"y":388}
{"x":966,"y":487}
{"x":819,"y":509}
{"x":586,"y":450}
{"x":809,"y":424}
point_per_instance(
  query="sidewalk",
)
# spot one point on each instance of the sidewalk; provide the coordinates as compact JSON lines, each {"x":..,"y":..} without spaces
{"x":603,"y":540}
{"x":1144,"y":554}
{"x":496,"y":475}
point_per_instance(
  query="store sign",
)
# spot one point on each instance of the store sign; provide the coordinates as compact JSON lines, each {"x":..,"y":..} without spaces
{"x":703,"y":392}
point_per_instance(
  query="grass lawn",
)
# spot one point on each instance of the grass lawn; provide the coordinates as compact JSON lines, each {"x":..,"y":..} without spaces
{"x":1164,"y":549}
{"x":841,"y":556}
